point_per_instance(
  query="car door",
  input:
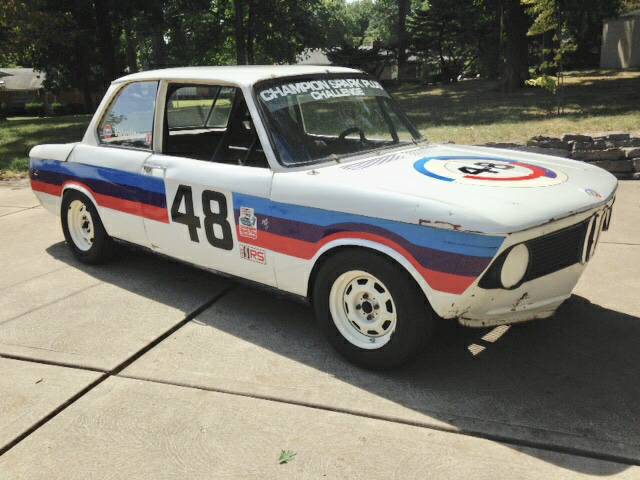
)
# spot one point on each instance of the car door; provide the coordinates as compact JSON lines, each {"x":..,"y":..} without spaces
{"x":109,"y":165}
{"x":204,"y":164}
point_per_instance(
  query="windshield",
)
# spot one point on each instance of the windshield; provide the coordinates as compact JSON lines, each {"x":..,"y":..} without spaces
{"x":322,"y":118}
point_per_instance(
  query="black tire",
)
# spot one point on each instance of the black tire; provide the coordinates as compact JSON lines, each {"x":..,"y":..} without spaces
{"x":415,"y":318}
{"x":103,"y":246}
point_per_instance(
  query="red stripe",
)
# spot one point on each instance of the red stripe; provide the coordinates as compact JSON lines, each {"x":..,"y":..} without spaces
{"x":44,"y":187}
{"x":537,"y":172}
{"x":445,"y":282}
{"x":139,"y":209}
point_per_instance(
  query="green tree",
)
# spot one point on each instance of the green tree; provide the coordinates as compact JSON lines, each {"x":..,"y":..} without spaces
{"x":549,"y":21}
{"x":446,"y":31}
{"x":627,"y":6}
{"x":356,"y":38}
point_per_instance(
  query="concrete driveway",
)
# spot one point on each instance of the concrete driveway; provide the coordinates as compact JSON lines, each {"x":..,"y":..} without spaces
{"x":146,"y":368}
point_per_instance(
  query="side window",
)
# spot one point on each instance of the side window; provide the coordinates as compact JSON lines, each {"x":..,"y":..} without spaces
{"x":211,"y":123}
{"x":221,"y":111}
{"x":129,"y":119}
{"x":198,"y":107}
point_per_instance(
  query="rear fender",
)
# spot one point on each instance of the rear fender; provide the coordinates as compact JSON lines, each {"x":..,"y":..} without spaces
{"x":79,"y":187}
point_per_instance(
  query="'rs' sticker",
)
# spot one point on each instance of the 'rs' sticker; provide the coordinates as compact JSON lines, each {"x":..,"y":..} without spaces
{"x":253,"y":254}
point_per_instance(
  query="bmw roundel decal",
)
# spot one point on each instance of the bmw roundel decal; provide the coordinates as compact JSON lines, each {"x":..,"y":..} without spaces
{"x":491,"y":171}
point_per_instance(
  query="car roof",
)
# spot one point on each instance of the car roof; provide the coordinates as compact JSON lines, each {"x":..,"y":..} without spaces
{"x":241,"y":75}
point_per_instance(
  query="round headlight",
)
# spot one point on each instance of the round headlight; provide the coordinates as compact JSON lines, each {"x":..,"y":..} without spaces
{"x":514,"y":266}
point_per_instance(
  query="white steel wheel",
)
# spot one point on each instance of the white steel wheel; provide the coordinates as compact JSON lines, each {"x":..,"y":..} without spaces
{"x":80,"y":225}
{"x":362,"y":309}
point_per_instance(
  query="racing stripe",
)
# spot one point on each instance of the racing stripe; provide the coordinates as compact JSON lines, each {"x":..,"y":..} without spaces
{"x":435,"y":238}
{"x":448,"y":261}
{"x":126,"y":192}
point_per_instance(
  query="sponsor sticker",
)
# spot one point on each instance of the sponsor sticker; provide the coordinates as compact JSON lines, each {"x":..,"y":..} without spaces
{"x":253,"y":254}
{"x":248,"y":223}
{"x":107,"y":131}
{"x":314,"y":90}
{"x":592,"y":193}
{"x":493,"y":171}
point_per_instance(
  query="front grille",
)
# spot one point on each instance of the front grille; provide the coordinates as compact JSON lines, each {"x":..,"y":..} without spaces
{"x":547,"y":254}
{"x":556,"y":251}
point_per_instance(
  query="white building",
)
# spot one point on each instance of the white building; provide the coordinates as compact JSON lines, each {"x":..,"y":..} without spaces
{"x":621,"y":42}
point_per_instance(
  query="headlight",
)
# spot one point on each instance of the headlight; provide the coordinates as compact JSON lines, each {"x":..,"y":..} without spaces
{"x":514,"y":266}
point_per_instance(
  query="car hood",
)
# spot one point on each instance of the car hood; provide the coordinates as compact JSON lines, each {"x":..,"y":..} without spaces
{"x":472,"y":188}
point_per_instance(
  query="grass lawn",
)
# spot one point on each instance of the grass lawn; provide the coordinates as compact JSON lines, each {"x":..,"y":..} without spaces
{"x":19,"y":134}
{"x":476,"y":111}
{"x":471,"y":112}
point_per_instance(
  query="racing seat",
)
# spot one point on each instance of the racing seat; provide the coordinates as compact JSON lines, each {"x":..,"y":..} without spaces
{"x":240,"y":144}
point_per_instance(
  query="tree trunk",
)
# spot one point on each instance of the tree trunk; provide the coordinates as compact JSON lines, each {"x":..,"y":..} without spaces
{"x":104,"y":31}
{"x":240,"y":37}
{"x":130,"y":46}
{"x":158,"y":47}
{"x":403,"y":11}
{"x":516,"y":23}
{"x":490,"y":46}
{"x":81,"y":43}
{"x":251,"y":32}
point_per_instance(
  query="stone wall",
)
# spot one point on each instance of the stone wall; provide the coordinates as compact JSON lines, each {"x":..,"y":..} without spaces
{"x":618,"y":153}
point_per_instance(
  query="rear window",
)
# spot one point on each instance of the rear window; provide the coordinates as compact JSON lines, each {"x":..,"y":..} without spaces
{"x":129,"y":119}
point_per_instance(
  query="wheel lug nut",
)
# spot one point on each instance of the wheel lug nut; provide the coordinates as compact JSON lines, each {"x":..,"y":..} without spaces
{"x":376,"y":306}
{"x":358,"y":307}
{"x":369,"y":317}
{"x":365,"y":295}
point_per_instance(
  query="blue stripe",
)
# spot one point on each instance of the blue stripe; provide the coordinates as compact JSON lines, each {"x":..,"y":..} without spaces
{"x":444,"y":240}
{"x":107,"y":175}
{"x":420,"y":166}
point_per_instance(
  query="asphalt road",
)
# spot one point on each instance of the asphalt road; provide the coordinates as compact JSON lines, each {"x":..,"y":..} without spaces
{"x":146,"y":368}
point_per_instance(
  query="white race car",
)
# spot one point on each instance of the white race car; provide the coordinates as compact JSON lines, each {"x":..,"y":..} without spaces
{"x":310,"y":180}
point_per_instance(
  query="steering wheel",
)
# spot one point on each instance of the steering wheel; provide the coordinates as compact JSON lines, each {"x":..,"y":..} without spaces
{"x":351,"y":130}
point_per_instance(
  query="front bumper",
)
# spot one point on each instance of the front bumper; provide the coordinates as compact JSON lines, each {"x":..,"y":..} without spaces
{"x":533,"y":299}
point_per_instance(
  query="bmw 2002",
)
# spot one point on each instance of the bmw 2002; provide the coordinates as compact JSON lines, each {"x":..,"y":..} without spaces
{"x":312,"y":181}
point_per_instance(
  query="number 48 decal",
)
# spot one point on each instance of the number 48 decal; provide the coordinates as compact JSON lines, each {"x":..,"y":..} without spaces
{"x":211,"y":218}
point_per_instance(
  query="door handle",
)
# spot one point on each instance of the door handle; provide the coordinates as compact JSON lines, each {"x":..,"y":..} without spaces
{"x":154,"y":170}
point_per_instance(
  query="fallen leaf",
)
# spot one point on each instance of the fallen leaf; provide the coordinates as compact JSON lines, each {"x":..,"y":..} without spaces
{"x":286,"y":456}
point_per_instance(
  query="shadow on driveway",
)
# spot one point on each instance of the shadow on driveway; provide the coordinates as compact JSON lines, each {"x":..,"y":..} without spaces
{"x":573,"y":376}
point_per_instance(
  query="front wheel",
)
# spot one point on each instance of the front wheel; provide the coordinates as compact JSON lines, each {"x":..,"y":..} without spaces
{"x":371,"y":310}
{"x":83,"y":229}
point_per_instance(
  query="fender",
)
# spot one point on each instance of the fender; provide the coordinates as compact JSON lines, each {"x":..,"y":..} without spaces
{"x":82,"y":188}
{"x":438,"y":300}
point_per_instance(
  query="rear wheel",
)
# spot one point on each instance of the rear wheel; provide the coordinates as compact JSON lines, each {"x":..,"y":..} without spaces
{"x":370,"y":309}
{"x":83,"y":230}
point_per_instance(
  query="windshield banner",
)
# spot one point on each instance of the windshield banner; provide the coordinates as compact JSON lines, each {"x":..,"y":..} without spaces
{"x":313,"y":90}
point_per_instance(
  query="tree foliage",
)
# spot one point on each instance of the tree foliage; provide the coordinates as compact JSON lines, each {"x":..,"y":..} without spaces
{"x":627,"y":6}
{"x":85,"y":44}
{"x":449,"y":33}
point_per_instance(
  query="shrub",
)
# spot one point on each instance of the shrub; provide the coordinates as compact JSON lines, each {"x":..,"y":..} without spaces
{"x":34,"y":108}
{"x":58,"y":108}
{"x":19,"y":165}
{"x":547,"y":83}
